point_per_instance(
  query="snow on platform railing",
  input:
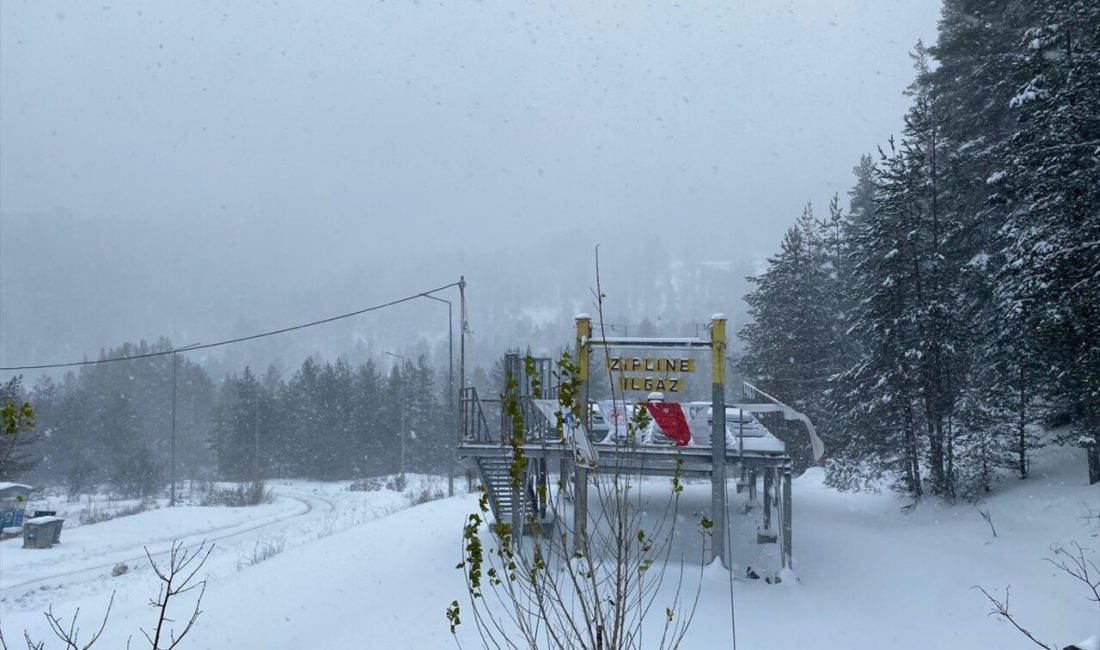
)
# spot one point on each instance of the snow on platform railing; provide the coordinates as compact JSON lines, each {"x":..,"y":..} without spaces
{"x":648,"y":342}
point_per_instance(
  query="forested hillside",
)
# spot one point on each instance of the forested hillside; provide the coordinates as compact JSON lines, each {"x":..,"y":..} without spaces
{"x":111,"y":423}
{"x":953,"y":310}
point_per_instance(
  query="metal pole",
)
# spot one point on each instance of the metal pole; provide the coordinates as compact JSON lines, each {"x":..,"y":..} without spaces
{"x":451,"y":397}
{"x":453,"y":419}
{"x":175,"y":352}
{"x":787,"y":502}
{"x":172,"y":498}
{"x":256,"y":461}
{"x":402,"y":427}
{"x":464,"y":326}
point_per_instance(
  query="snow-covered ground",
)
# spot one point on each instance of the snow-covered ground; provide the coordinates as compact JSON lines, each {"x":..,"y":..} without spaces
{"x":366,"y":570}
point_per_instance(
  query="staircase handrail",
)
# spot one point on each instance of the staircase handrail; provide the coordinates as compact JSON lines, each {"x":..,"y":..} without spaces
{"x":474,"y":425}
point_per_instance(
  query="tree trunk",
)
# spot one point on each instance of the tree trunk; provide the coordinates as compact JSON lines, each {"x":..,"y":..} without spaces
{"x":1092,"y":448}
{"x":912,"y":464}
{"x":1022,"y":425}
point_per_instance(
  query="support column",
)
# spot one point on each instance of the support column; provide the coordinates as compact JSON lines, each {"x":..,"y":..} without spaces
{"x":787,"y":545}
{"x":580,"y":413}
{"x":769,"y":495}
{"x":718,"y":439}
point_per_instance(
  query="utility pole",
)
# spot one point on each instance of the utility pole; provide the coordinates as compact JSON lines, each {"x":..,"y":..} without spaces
{"x":175,"y":352}
{"x":452,"y":415}
{"x":256,"y":430}
{"x":464,"y":328}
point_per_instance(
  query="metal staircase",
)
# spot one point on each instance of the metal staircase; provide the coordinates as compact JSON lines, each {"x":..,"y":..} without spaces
{"x":495,"y":478}
{"x":504,"y":501}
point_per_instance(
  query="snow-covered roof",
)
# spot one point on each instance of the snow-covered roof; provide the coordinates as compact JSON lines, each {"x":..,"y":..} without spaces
{"x":8,"y":486}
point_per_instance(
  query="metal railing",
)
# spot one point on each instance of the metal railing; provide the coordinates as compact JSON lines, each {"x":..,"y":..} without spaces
{"x":475,"y":428}
{"x":537,"y":426}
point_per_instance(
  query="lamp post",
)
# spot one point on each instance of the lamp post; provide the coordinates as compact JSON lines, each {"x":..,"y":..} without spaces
{"x":175,"y":352}
{"x":450,"y":390}
{"x":401,"y":425}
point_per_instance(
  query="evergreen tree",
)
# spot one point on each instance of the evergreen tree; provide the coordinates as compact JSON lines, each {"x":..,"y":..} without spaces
{"x":242,"y":422}
{"x":128,"y":461}
{"x":395,"y":421}
{"x":427,"y":436}
{"x":881,"y":389}
{"x":1051,"y":239}
{"x":791,"y":343}
{"x":304,"y":417}
{"x":980,"y":71}
{"x":334,"y":436}
{"x":366,"y":409}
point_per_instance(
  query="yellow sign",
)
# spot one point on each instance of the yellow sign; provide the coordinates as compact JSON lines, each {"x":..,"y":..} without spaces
{"x":650,"y":364}
{"x":647,"y":365}
{"x":650,"y":384}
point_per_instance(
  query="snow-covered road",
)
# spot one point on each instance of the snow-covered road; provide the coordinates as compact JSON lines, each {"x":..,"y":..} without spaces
{"x":373,"y":572}
{"x":90,"y":551}
{"x":81,"y":565}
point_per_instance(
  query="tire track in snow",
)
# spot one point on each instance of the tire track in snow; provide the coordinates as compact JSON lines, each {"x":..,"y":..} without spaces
{"x":210,"y":535}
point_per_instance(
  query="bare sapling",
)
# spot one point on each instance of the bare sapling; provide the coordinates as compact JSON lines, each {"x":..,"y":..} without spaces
{"x":176,"y":578}
{"x":597,"y":588}
{"x":1074,"y":563}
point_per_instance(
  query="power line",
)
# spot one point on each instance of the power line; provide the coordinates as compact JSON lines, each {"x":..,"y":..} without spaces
{"x":261,"y":335}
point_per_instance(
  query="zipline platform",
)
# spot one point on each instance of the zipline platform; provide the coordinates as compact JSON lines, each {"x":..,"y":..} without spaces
{"x":678,"y":442}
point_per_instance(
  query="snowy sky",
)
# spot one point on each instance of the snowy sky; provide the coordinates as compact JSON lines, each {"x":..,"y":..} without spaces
{"x":302,"y":136}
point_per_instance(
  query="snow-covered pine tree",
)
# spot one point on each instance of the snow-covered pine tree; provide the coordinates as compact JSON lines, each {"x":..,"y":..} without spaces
{"x":366,"y":407}
{"x":790,"y":344}
{"x":838,"y":302}
{"x":880,"y":390}
{"x":425,"y":420}
{"x":979,"y":72}
{"x":935,"y":247}
{"x":1051,"y":238}
{"x":238,"y":425}
{"x":333,"y":435}
{"x":908,"y":378}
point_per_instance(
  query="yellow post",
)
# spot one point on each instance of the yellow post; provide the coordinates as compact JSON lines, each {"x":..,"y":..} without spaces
{"x":584,"y":335}
{"x":718,"y":438}
{"x":581,"y":410}
{"x":718,"y":349}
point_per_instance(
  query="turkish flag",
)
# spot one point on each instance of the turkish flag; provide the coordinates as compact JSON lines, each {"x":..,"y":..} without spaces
{"x":670,"y":417}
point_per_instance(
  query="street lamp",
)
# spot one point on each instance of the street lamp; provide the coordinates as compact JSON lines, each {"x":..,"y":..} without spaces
{"x":172,"y":498}
{"x":401,"y":425}
{"x":450,"y":391}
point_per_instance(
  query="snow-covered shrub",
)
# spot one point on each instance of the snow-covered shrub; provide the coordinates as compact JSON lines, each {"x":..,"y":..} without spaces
{"x":95,"y":512}
{"x":265,"y":549}
{"x":252,"y":493}
{"x":852,"y":475}
{"x":371,"y":484}
{"x":397,"y":483}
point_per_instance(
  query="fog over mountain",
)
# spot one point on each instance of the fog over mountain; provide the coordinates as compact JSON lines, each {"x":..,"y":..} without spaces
{"x":204,"y":171}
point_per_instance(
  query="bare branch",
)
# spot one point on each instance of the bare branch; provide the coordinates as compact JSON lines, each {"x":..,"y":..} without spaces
{"x":31,"y":645}
{"x":1001,"y":609}
{"x":177,"y":578}
{"x":988,"y":519}
{"x":1078,"y":566}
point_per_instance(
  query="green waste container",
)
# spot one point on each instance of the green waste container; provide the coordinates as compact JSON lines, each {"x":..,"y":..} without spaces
{"x":42,"y":532}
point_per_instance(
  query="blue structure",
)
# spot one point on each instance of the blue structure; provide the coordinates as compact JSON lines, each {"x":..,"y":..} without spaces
{"x":13,"y":502}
